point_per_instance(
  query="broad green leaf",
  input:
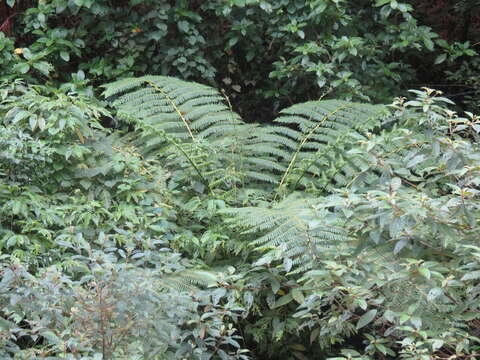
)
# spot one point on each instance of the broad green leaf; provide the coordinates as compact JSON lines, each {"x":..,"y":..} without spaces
{"x":424,"y":272}
{"x":389,"y":315}
{"x":284,"y":300}
{"x":33,"y":122}
{"x":440,"y":58}
{"x":366,"y":318}
{"x":65,"y":55}
{"x":51,"y":337}
{"x":22,"y":114}
{"x":43,"y":67}
{"x":474,"y":275}
{"x":379,"y":3}
{"x":22,"y":67}
{"x":298,"y":296}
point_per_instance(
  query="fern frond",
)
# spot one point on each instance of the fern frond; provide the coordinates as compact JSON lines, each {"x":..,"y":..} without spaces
{"x":316,"y":132}
{"x":189,"y":280}
{"x":307,"y":147}
{"x":294,"y":229}
{"x":183,"y":109}
{"x":189,"y":121}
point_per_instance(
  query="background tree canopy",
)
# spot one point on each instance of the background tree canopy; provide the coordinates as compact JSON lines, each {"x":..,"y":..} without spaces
{"x":265,"y":54}
{"x":224,"y":180}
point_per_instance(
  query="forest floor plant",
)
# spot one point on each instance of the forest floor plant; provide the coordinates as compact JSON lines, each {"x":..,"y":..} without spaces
{"x":342,"y":231}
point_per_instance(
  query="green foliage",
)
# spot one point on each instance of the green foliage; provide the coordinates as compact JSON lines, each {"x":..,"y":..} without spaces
{"x":181,"y":120}
{"x":379,"y":241}
{"x":326,"y":131}
{"x":403,"y":266}
{"x":155,"y":223}
{"x":284,"y":51}
{"x":114,"y":307}
{"x":291,"y":232}
{"x":85,"y":231}
{"x":165,"y":100}
{"x":342,"y":231}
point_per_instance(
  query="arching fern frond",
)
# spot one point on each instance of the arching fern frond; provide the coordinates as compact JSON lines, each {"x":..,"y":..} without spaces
{"x":306,"y":148}
{"x":185,"y":109}
{"x":189,"y":280}
{"x":317,"y":135}
{"x":293,"y":229}
{"x":183,"y":120}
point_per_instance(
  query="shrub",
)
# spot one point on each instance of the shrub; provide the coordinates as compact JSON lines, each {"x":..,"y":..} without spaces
{"x":344,"y":230}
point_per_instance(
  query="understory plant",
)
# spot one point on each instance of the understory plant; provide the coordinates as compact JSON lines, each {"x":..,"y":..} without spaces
{"x":87,"y":269}
{"x":343,"y":231}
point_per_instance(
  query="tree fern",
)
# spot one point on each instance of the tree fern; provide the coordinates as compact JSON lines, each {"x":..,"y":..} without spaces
{"x":309,"y":141}
{"x":194,"y":122}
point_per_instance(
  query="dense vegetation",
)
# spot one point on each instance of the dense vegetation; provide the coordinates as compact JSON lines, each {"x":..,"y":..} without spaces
{"x":141,"y":217}
{"x":266,"y":54}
